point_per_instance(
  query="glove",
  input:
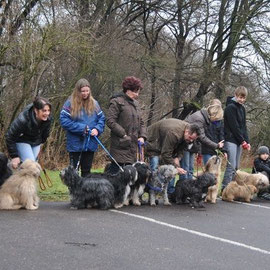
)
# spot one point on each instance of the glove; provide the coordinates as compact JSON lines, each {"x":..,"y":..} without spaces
{"x":245,"y":145}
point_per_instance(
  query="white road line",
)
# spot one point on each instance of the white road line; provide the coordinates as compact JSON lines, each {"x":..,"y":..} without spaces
{"x":251,"y":204}
{"x":194,"y":232}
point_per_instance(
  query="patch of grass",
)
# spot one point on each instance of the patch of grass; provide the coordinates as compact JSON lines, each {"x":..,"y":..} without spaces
{"x":58,"y":191}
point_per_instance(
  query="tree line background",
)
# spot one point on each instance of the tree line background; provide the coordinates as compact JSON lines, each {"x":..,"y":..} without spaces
{"x":185,"y":52}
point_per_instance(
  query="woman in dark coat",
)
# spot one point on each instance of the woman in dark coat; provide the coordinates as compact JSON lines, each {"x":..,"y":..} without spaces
{"x":126,"y":124}
{"x":28,"y":131}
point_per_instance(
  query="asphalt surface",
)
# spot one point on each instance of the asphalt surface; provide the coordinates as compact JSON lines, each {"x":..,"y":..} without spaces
{"x":223,"y":236}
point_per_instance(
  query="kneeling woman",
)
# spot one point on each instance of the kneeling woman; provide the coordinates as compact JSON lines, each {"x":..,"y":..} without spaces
{"x":28,"y":131}
{"x":83,"y":119}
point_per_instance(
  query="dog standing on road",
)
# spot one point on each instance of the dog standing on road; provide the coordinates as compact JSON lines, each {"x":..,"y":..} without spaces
{"x":5,"y":171}
{"x":213,"y":166}
{"x":159,"y":183}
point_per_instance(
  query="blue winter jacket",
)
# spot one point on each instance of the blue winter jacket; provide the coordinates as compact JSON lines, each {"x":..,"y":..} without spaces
{"x":77,"y":141}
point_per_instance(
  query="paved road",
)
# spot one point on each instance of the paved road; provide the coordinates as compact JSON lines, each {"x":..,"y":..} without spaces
{"x":224,"y":236}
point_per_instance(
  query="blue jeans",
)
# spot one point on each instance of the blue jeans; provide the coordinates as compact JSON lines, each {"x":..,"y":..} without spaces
{"x":187,"y":163}
{"x":234,"y":155}
{"x":206,"y":157}
{"x":154,"y":161}
{"x":26,"y":151}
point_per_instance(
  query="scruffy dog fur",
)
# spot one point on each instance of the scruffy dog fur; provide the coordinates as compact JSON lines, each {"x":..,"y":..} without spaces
{"x":20,"y":189}
{"x":144,"y":176}
{"x":5,"y":171}
{"x":213,"y":166}
{"x":103,"y":190}
{"x":233,"y":191}
{"x":88,"y":192}
{"x":259,"y":180}
{"x":159,"y":183}
{"x":122,"y":181}
{"x":193,"y":189}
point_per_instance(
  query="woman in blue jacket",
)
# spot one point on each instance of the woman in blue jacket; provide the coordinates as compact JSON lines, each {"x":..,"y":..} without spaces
{"x":82,"y":118}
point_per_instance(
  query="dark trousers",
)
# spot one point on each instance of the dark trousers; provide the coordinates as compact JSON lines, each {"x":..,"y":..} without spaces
{"x":85,"y":161}
{"x":114,"y":169}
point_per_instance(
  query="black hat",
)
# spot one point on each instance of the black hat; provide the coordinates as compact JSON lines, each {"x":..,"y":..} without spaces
{"x":263,"y":150}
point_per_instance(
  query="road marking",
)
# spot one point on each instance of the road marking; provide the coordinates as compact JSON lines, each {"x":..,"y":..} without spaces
{"x":194,"y":232}
{"x":251,"y":204}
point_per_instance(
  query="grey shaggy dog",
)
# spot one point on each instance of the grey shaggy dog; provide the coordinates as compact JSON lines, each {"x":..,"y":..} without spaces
{"x":159,"y":183}
{"x":5,"y":171}
{"x":193,"y":190}
{"x":86,"y":192}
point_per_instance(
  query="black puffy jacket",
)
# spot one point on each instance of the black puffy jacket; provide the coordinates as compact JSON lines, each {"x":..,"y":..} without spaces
{"x":25,"y":128}
{"x":235,"y":129}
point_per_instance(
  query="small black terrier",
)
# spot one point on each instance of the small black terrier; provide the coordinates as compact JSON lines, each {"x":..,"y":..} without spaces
{"x":5,"y":171}
{"x":193,"y":190}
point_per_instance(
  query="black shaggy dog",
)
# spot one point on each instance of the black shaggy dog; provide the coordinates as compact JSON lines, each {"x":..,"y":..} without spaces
{"x":122,"y":182}
{"x":193,"y":190}
{"x":87,"y":192}
{"x":144,"y":176}
{"x":5,"y":171}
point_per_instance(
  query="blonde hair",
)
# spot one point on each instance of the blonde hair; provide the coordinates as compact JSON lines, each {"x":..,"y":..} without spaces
{"x":215,"y":110}
{"x":241,"y":91}
{"x":77,"y":103}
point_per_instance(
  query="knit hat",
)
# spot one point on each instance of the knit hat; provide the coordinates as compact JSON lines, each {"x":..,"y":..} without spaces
{"x":263,"y":150}
{"x":215,"y":112}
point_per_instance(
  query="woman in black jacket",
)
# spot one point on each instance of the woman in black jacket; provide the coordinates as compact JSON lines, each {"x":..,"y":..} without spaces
{"x":28,"y":131}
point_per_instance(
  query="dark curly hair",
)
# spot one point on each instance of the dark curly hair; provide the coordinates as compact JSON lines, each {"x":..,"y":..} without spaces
{"x":131,"y":83}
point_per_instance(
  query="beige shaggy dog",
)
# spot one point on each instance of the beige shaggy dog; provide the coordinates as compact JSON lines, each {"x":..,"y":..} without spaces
{"x":20,"y":189}
{"x":259,"y":180}
{"x":213,"y":166}
{"x":233,"y":191}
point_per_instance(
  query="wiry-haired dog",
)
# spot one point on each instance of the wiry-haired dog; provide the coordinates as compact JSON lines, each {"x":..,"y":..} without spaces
{"x":259,"y":180}
{"x":101,"y":190}
{"x":20,"y":189}
{"x":86,"y":192}
{"x":5,"y":171}
{"x":144,"y":176}
{"x":193,"y":189}
{"x":213,"y":166}
{"x":233,"y":191}
{"x":159,"y":183}
{"x":122,"y":182}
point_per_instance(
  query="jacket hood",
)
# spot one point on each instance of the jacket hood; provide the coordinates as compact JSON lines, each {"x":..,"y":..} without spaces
{"x":116,"y":95}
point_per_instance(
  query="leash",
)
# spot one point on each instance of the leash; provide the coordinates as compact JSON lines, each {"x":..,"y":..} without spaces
{"x":47,"y":177}
{"x":140,"y":151}
{"x":85,"y":143}
{"x":108,"y":153}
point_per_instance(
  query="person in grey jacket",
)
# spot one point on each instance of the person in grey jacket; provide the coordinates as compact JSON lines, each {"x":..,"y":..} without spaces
{"x":28,"y":131}
{"x":203,"y":119}
{"x":124,"y":118}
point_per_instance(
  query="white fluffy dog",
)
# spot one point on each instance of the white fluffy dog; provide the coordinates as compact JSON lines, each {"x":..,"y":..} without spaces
{"x":20,"y":189}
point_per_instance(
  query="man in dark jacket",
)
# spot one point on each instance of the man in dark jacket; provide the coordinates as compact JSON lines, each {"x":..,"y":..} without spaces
{"x":167,"y":140}
{"x":235,"y":132}
{"x":126,"y":123}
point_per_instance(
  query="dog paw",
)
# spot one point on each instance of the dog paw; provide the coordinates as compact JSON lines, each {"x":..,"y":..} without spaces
{"x":73,"y":207}
{"x":118,"y":206}
{"x":32,"y":207}
{"x":167,"y":203}
{"x":153,"y":204}
{"x":137,"y":203}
